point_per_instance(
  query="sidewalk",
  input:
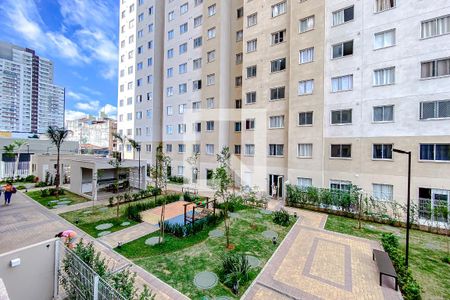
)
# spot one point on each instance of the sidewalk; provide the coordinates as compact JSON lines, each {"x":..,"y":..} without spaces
{"x":128,"y":234}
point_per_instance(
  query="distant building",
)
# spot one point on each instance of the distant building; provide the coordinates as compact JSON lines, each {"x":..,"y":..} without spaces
{"x":29,"y":101}
{"x":95,"y":135}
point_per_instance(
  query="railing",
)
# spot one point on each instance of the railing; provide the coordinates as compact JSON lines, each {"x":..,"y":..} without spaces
{"x":80,"y":282}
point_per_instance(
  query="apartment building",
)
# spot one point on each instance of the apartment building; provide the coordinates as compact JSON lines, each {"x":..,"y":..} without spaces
{"x":29,"y":101}
{"x":312,"y":93}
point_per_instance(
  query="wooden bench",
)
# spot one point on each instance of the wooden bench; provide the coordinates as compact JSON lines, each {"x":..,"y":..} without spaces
{"x":385,"y":266}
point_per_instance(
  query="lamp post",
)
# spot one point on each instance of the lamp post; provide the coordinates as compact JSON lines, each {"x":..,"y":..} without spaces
{"x":138,"y":149}
{"x":408,"y":205}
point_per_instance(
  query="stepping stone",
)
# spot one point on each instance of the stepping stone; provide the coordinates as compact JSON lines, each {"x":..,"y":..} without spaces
{"x":53,"y":201}
{"x":64,"y":199}
{"x":269,"y":234}
{"x":222,"y":298}
{"x":125,"y":224}
{"x":258,"y":216}
{"x":103,"y":233}
{"x":64,"y":202}
{"x":103,"y":209}
{"x":234,"y":215}
{"x":253,"y":261}
{"x":104,"y":226}
{"x":216,"y":233}
{"x":265,"y":212}
{"x":59,"y":205}
{"x":153,"y":241}
{"x":432,"y":246}
{"x":205,"y":280}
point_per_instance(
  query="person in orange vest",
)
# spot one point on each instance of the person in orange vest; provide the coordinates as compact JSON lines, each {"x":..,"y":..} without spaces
{"x":69,"y":236}
{"x":8,"y":189}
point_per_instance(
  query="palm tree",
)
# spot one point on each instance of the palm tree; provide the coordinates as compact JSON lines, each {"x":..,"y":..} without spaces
{"x":57,"y":137}
{"x":121,"y":139}
{"x":137,"y":147}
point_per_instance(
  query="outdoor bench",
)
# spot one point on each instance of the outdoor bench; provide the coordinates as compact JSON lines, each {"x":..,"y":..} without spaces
{"x":385,"y":266}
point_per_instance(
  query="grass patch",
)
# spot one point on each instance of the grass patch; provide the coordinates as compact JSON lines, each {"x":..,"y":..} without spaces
{"x":425,"y":253}
{"x":178,"y":260}
{"x":47,"y":201}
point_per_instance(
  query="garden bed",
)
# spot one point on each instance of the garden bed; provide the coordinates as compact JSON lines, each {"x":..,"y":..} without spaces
{"x":178,"y":260}
{"x":49,"y":201}
{"x":427,"y":251}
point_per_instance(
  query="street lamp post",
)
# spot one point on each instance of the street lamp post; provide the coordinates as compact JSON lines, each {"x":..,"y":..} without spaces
{"x":408,"y":205}
{"x":138,"y":149}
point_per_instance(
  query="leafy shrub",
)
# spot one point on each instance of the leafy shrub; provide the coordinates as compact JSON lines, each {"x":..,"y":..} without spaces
{"x":180,"y":231}
{"x":235,"y":203}
{"x":40,"y":184}
{"x":21,"y":187}
{"x":45,"y":193}
{"x":408,"y":285}
{"x":178,"y":179}
{"x":30,"y":178}
{"x":133,"y":210}
{"x":281,"y":217}
{"x":235,"y":269}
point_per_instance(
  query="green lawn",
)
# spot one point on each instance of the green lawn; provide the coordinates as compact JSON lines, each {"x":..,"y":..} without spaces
{"x":425,"y":255}
{"x":47,"y":201}
{"x":178,"y":260}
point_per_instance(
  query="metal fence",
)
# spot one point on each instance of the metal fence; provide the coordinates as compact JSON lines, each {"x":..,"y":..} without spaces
{"x":77,"y":281}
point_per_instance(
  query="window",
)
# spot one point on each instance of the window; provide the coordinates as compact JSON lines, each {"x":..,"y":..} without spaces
{"x":196,"y":106}
{"x":237,"y":126}
{"x":170,"y":53}
{"x":129,"y":101}
{"x":384,"y":39}
{"x":238,"y":81}
{"x":250,"y":124}
{"x":129,"y":116}
{"x":182,"y":68}
{"x":211,"y":56}
{"x":276,"y":149}
{"x":198,"y":42}
{"x":276,"y":122}
{"x":197,"y":63}
{"x":150,"y":27}
{"x":306,"y":55}
{"x":306,"y":87}
{"x":210,"y":79}
{"x":170,"y":35}
{"x":340,"y":185}
{"x":382,"y":151}
{"x":384,"y":76}
{"x":238,"y":103}
{"x":436,"y":152}
{"x":237,"y":149}
{"x":249,"y":149}
{"x":196,"y":148}
{"x":181,"y":148}
{"x":435,"y":109}
{"x":183,"y":28}
{"x":239,"y":35}
{"x":182,"y":88}
{"x":184,"y":8}
{"x":181,"y":108}
{"x":250,"y":98}
{"x":436,"y":68}
{"x":252,"y":45}
{"x":277,"y":93}
{"x":198,"y":21}
{"x":210,"y":103}
{"x":211,"y":33}
{"x":180,"y":170}
{"x":342,"y":83}
{"x":382,"y":5}
{"x":168,"y":148}
{"x":343,"y":15}
{"x":198,"y":2}
{"x":341,"y":116}
{"x":342,"y":49}
{"x":383,"y":192}
{"x":196,"y":85}
{"x":436,"y":27}
{"x":139,"y":115}
{"x":278,"y":37}
{"x":383,"y":113}
{"x":212,"y":10}
{"x":304,"y":150}
{"x":140,"y":17}
{"x":148,"y":148}
{"x":306,"y":24}
{"x":181,"y":128}
{"x":305,"y":118}
{"x":433,"y":203}
{"x":209,"y":149}
{"x":171,"y":16}
{"x":278,"y":65}
{"x":252,"y":20}
{"x":149,"y":113}
{"x":182,"y":48}
{"x":303,"y":183}
{"x":209,"y":125}
{"x":239,"y":58}
{"x":197,"y":127}
{"x":140,"y":66}
{"x":240,"y":12}
{"x":278,"y":9}
{"x":251,"y":71}
{"x":169,"y":110}
{"x":341,"y":151}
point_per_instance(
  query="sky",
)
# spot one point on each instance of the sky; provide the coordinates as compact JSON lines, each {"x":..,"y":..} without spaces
{"x":80,"y":37}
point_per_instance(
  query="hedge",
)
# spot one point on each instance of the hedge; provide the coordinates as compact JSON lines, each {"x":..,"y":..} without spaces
{"x":133,"y":211}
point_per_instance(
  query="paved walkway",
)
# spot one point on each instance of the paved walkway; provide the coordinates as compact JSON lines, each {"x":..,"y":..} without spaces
{"x":128,"y":234}
{"x":313,"y":263}
{"x":26,"y":222}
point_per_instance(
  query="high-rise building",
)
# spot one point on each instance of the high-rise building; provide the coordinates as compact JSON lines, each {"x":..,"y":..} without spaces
{"x":312,"y":93}
{"x":29,"y":101}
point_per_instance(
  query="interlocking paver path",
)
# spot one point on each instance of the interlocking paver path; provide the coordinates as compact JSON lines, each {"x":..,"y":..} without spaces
{"x":313,"y":263}
{"x":26,"y":222}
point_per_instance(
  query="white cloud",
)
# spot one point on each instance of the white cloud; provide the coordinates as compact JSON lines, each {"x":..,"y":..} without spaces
{"x":88,"y":106}
{"x":76,"y":96}
{"x":91,"y":91}
{"x":109,"y":110}
{"x":74,"y":115}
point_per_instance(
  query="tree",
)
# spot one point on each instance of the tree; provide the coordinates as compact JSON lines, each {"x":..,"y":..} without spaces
{"x":137,"y":147}
{"x":121,"y":139}
{"x":193,"y":162}
{"x":116,"y":163}
{"x":222,"y":181}
{"x":57,"y":136}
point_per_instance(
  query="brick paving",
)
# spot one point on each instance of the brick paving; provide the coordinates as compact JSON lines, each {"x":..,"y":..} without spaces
{"x":26,"y":222}
{"x":313,"y":263}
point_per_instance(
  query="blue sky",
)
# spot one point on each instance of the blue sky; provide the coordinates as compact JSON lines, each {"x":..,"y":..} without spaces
{"x":80,"y":37}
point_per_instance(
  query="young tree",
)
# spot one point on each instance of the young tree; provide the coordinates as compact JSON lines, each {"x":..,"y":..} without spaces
{"x":116,"y":163}
{"x":193,"y":162}
{"x":137,"y":147}
{"x":121,"y":139}
{"x":222,"y":181}
{"x":57,"y":136}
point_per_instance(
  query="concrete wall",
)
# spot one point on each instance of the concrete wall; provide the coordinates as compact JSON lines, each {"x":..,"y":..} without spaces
{"x":34,"y":277}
